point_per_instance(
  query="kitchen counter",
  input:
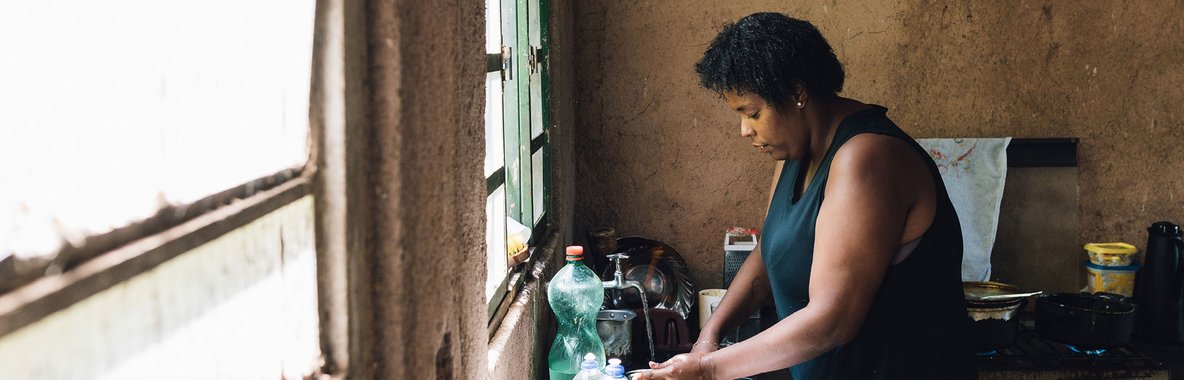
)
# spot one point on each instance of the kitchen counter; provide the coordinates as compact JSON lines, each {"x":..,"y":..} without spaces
{"x":1170,"y":355}
{"x":1138,"y":360}
{"x":1035,"y":358}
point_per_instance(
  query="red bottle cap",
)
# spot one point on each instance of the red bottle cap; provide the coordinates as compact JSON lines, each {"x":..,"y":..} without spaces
{"x":575,"y":253}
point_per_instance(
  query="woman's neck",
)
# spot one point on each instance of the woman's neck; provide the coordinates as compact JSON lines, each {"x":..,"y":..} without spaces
{"x":823,"y":118}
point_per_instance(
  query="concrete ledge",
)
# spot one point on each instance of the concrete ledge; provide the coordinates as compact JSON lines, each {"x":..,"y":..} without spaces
{"x":517,"y":348}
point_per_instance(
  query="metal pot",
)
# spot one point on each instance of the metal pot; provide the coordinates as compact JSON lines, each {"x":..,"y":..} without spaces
{"x":616,"y":332}
{"x":974,"y":291}
{"x":1085,"y":321}
{"x":992,"y":323}
{"x":994,"y":328}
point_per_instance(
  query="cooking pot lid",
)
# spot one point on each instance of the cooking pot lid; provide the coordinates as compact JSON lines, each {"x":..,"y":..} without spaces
{"x":975,"y":291}
{"x":1094,"y":303}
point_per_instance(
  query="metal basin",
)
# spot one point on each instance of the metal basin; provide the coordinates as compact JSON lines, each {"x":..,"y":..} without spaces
{"x":616,"y":331}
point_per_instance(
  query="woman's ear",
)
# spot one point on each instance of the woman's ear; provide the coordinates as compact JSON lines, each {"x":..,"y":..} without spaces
{"x":799,"y":96}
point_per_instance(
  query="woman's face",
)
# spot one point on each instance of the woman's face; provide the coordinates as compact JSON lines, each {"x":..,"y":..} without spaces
{"x":771,"y":129}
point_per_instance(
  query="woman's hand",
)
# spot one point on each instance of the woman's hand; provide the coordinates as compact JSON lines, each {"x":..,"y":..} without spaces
{"x":704,"y":346}
{"x":681,"y":367}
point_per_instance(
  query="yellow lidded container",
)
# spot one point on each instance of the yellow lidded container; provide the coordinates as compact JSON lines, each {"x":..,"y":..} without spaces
{"x":1111,"y":279}
{"x":1111,"y":254}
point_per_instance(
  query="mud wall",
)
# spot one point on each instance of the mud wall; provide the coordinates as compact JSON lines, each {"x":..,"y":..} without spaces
{"x":658,"y":156}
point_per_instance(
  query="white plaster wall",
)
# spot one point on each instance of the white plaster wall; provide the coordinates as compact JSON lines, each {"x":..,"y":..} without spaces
{"x":242,"y":306}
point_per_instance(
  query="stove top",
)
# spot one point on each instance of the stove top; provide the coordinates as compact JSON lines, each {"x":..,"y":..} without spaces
{"x":1035,"y":358}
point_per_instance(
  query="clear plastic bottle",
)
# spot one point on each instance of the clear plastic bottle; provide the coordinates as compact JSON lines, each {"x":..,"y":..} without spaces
{"x":614,"y":370}
{"x":589,"y":369}
{"x":575,"y":295}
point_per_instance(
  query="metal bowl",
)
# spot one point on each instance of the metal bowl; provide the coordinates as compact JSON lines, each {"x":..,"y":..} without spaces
{"x":661,"y":271}
{"x":974,"y":291}
{"x":615,"y":329}
{"x":636,"y":373}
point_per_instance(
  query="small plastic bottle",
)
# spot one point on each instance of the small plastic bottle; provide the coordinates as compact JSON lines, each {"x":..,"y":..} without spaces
{"x":614,"y":370}
{"x":589,"y":368}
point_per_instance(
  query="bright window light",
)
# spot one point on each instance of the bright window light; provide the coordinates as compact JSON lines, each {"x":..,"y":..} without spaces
{"x":110,"y":110}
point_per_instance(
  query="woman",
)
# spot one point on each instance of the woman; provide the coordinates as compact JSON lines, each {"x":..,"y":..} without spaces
{"x":861,"y":250}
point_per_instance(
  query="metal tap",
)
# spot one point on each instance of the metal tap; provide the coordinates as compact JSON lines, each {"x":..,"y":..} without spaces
{"x":615,"y":288}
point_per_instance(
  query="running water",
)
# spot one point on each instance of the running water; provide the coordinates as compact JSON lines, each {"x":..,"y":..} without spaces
{"x":645,"y":308}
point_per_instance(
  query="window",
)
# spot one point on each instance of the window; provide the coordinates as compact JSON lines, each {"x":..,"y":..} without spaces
{"x":516,"y":156}
{"x":111,"y":112}
{"x":155,"y":151}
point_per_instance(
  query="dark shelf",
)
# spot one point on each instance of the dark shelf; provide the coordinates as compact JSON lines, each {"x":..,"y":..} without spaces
{"x":1042,"y":152}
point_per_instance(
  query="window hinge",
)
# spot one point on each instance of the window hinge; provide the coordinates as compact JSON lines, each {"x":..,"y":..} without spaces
{"x":536,"y":59}
{"x":507,"y":63}
{"x":493,"y":63}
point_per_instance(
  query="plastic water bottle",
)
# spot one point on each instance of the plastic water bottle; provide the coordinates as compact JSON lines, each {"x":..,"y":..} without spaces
{"x":589,"y":369}
{"x":614,"y":370}
{"x":575,"y":294}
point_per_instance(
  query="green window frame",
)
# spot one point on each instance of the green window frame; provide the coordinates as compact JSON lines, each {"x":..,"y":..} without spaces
{"x":524,"y":175}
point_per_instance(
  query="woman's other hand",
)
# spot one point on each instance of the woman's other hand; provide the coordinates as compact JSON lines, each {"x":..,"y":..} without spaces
{"x":688,"y":366}
{"x":704,"y":346}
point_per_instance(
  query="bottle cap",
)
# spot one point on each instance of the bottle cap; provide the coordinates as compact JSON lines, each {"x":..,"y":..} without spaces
{"x":614,"y":368}
{"x":589,"y":362}
{"x":575,"y":253}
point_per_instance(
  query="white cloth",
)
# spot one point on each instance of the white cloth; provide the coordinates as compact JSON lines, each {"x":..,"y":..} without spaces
{"x":974,"y":171}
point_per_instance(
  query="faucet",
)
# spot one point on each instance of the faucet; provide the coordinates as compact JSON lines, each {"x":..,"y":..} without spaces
{"x":617,"y":286}
{"x":613,"y":297}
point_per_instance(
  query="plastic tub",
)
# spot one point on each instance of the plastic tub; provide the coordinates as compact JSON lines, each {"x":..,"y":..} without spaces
{"x":1111,"y":254}
{"x":1111,"y":279}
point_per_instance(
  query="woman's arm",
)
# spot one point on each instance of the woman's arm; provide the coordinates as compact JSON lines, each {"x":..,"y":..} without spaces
{"x":858,"y":227}
{"x":748,"y":291}
{"x":746,"y":294}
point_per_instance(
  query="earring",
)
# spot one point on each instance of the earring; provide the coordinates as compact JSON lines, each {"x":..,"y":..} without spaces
{"x":799,"y":104}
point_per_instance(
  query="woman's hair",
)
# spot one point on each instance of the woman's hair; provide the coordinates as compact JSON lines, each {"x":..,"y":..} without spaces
{"x":770,"y":54}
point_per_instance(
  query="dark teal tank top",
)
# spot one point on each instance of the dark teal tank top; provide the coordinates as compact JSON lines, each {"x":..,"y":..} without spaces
{"x":917,"y":325}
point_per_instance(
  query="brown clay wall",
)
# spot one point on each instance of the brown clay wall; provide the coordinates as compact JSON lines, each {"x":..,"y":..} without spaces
{"x":424,"y":190}
{"x":658,"y":156}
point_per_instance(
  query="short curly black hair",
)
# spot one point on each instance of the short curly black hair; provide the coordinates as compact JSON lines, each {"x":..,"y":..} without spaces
{"x":770,"y":54}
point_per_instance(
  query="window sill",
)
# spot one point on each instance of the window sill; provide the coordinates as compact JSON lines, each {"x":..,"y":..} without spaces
{"x":46,"y":295}
{"x":514,"y":340}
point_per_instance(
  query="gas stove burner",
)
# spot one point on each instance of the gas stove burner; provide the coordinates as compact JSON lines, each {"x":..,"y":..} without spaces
{"x":1033,"y":357}
{"x":986,"y":353}
{"x":1094,"y":352}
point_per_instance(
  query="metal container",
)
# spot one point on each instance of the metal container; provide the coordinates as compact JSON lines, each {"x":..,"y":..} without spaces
{"x":992,"y":323}
{"x":637,"y":372}
{"x":616,"y":332}
{"x":994,"y":328}
{"x":1159,"y":286}
{"x":974,"y":291}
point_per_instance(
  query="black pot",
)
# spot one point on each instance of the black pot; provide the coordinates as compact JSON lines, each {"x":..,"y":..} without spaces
{"x":1086,"y":321}
{"x":994,"y":328}
{"x":993,"y":324}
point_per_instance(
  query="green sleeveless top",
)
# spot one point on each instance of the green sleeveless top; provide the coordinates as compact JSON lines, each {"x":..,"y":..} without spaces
{"x":917,"y":325}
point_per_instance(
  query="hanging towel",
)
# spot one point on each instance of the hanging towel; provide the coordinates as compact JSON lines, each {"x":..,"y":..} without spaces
{"x":974,"y":171}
